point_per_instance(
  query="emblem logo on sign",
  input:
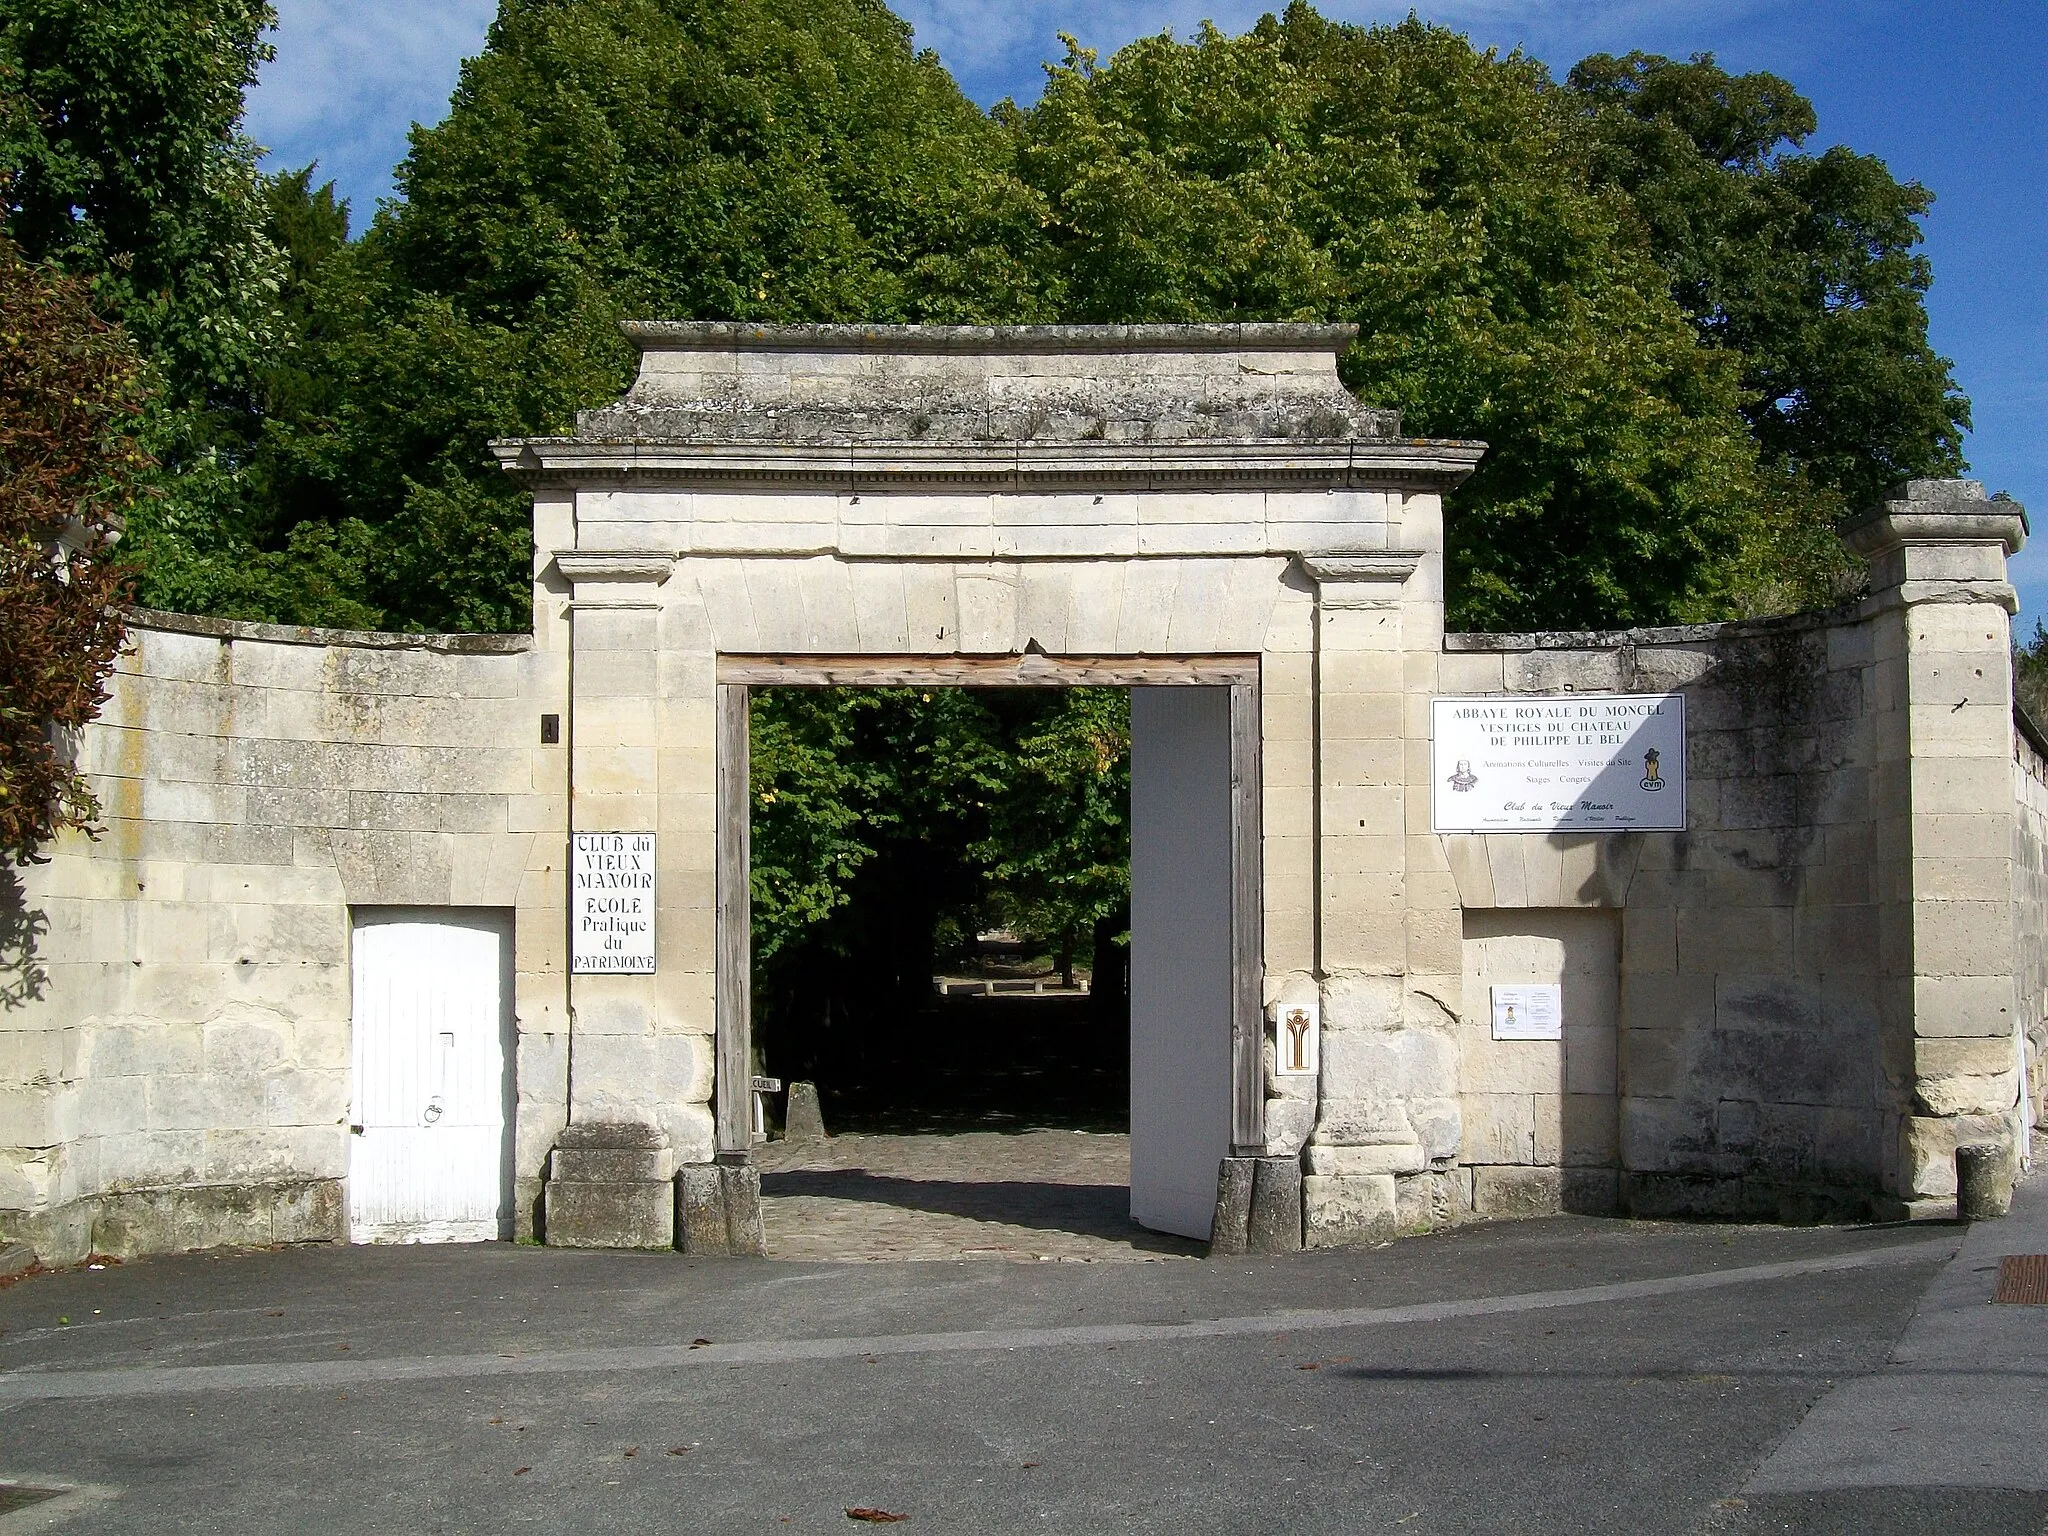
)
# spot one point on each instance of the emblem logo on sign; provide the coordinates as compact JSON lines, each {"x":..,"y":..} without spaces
{"x":1652,"y":779}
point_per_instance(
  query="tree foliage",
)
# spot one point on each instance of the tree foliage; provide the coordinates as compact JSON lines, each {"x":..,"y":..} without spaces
{"x":1802,"y":267}
{"x":1436,"y":196}
{"x":891,"y":825}
{"x":70,"y":463}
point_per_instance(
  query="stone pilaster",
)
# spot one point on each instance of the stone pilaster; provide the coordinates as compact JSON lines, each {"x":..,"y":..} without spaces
{"x":1373,"y":1064}
{"x":629,"y":1061}
{"x":1942,"y":804}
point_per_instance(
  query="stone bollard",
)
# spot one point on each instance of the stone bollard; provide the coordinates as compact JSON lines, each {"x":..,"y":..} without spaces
{"x":802,"y":1119}
{"x":1230,"y":1231}
{"x":1983,"y":1192}
{"x":1275,"y":1222}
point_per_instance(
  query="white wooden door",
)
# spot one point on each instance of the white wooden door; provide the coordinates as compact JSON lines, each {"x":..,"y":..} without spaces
{"x":427,"y":1149}
{"x":1180,"y":955}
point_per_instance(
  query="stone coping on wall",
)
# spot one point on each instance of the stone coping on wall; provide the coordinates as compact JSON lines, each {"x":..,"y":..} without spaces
{"x":300,"y":634}
{"x":648,"y":334}
{"x":1660,"y":634}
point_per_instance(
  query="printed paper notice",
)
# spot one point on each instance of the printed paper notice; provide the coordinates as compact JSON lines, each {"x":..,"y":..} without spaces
{"x":1573,"y":762}
{"x":1531,"y":1011}
{"x":611,"y":904}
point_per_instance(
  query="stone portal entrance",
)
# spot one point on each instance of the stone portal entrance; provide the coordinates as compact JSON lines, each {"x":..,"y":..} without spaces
{"x":1034,"y":506}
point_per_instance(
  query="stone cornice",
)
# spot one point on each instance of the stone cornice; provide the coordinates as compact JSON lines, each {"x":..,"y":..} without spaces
{"x":1406,"y":464}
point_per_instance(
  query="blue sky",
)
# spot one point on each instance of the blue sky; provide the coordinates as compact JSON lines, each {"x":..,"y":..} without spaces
{"x":1954,"y":95}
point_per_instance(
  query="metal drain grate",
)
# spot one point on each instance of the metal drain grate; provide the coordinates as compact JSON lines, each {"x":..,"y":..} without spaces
{"x":15,"y":1496}
{"x":2023,"y":1279}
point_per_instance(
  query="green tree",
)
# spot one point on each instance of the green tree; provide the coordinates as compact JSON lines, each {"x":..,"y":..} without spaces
{"x":124,"y":164}
{"x":1058,"y":848}
{"x":71,"y":401}
{"x":1804,"y":266}
{"x":729,"y":159}
{"x":1438,"y":197}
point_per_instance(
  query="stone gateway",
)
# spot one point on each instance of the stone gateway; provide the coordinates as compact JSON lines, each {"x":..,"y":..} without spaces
{"x":1788,"y":994}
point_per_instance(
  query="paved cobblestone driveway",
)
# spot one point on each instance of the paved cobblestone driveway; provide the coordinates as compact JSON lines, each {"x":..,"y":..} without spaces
{"x":1025,"y":1195}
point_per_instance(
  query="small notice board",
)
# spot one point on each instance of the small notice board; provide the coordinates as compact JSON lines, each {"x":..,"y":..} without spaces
{"x":1528,"y":1011}
{"x":611,"y":904}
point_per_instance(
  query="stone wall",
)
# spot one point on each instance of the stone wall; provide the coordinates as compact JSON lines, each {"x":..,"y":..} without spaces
{"x":181,"y":1075}
{"x":1727,"y":975}
{"x":2030,"y":907}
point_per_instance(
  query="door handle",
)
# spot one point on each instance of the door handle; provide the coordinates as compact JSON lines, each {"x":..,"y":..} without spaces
{"x":355,"y":1130}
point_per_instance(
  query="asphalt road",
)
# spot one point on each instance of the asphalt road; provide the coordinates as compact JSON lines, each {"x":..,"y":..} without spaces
{"x":1567,"y":1375}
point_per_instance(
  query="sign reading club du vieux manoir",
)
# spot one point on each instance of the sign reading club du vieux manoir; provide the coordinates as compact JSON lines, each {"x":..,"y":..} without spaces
{"x":611,"y":904}
{"x":1574,"y":762}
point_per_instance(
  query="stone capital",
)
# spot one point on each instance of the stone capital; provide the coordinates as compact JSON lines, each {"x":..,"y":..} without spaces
{"x":1361,"y":579}
{"x":1940,"y":540}
{"x":583,"y":566}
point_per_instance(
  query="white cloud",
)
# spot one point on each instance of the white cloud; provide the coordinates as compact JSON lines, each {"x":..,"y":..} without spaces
{"x":352,"y":76}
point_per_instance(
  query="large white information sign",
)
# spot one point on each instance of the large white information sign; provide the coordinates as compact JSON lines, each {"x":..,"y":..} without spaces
{"x":1573,"y":762}
{"x":611,"y":904}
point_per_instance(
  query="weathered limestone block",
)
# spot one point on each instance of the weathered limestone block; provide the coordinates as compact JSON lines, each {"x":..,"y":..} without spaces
{"x":700,"y":1225}
{"x":1930,"y":1142}
{"x":1288,"y":1125}
{"x":1340,"y":1212}
{"x":804,"y":1118}
{"x":1438,"y":1198}
{"x":1965,"y":1076}
{"x":1230,"y":1231}
{"x":1386,"y":1157}
{"x":588,"y":1205}
{"x":741,"y":1187}
{"x":1274,"y":1225}
{"x":1508,"y":1191}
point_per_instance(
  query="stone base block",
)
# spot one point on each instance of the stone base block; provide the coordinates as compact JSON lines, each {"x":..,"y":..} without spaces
{"x":718,"y":1210}
{"x":1385,"y":1157}
{"x":1230,"y":1228}
{"x":137,"y":1222}
{"x":1341,"y":1212}
{"x":1506,"y":1190}
{"x":745,"y":1237}
{"x":1592,"y":1191}
{"x":611,"y":1165}
{"x":1439,"y":1198}
{"x":611,"y":1186}
{"x":1274,"y":1225}
{"x":700,"y":1209}
{"x":1737,"y":1199}
{"x":1930,"y":1144}
{"x":610,"y":1215}
{"x":16,"y":1259}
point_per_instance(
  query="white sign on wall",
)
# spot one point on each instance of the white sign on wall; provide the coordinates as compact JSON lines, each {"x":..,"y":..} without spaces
{"x":1530,"y":1011}
{"x":611,"y":904}
{"x":1297,"y":1042}
{"x":1572,"y":762}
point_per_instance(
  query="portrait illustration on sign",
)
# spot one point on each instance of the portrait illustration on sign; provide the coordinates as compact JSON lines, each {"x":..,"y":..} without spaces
{"x":1463,"y":780}
{"x":1296,"y":1039}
